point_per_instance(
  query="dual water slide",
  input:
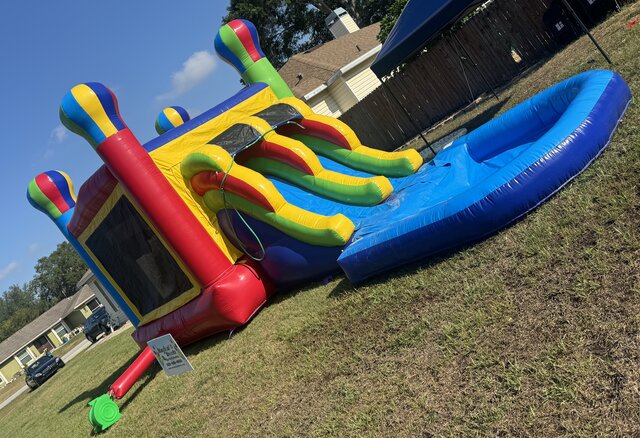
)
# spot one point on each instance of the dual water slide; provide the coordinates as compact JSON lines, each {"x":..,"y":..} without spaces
{"x":258,"y":187}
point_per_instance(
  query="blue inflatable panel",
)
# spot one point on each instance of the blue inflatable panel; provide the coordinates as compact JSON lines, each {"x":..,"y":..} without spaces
{"x":486,"y":179}
{"x":214,"y":112}
{"x":287,"y":261}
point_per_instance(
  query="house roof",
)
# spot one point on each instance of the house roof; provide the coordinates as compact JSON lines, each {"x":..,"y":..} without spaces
{"x":86,"y":277}
{"x":321,"y":63}
{"x":43,"y":323}
{"x":82,"y":296}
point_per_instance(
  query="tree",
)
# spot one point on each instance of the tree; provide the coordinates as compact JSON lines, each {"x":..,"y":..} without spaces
{"x":18,"y":306}
{"x":390,"y":19}
{"x":56,"y":277}
{"x":364,"y":12}
{"x":58,"y":273}
{"x":287,"y":27}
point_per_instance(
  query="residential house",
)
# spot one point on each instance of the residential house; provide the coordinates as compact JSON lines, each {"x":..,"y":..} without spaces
{"x":45,"y":333}
{"x":333,"y":77}
{"x":89,"y":280}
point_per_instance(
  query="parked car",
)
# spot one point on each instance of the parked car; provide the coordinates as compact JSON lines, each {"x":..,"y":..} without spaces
{"x":98,"y":323}
{"x":43,"y":368}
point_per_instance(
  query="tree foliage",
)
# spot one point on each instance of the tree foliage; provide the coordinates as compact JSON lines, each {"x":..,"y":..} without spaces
{"x":287,"y":27}
{"x":56,"y":277}
{"x":58,"y":273}
{"x":390,"y":19}
{"x":18,"y":306}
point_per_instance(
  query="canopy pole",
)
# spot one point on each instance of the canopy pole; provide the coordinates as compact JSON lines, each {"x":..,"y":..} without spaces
{"x":406,"y":113}
{"x":464,"y":49}
{"x":586,"y":30}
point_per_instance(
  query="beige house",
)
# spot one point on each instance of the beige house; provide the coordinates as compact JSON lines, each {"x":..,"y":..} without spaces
{"x":335,"y":76}
{"x":45,"y":333}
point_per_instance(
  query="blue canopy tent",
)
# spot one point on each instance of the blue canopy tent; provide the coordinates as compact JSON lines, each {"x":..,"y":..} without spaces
{"x":419,"y":23}
{"x":423,"y":20}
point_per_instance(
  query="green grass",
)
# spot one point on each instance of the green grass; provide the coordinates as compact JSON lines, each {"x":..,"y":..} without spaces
{"x":532,"y":332}
{"x":65,"y":348}
{"x":10,"y":388}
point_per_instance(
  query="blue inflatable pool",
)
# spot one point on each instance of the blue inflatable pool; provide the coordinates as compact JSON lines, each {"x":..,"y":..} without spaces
{"x":481,"y":183}
{"x":494,"y":175}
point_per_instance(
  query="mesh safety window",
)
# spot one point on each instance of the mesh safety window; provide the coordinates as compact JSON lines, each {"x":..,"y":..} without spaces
{"x":136,"y":259}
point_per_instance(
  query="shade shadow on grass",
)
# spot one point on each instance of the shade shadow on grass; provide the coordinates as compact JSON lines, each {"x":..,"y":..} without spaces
{"x":103,"y":387}
{"x":345,"y":286}
{"x":486,"y":115}
{"x":210,"y":341}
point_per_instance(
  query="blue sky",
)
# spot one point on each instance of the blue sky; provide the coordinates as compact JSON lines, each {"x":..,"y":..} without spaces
{"x":151,"y":54}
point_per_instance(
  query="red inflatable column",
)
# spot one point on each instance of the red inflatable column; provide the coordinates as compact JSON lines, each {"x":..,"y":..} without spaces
{"x":91,"y":110}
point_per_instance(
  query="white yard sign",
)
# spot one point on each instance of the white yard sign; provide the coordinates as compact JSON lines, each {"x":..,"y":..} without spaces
{"x":169,"y":355}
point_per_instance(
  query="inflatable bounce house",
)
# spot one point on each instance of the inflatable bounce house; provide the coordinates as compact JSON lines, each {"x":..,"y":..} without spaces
{"x":193,"y":231}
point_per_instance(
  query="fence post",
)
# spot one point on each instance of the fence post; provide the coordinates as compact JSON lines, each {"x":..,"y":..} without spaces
{"x":406,"y":113}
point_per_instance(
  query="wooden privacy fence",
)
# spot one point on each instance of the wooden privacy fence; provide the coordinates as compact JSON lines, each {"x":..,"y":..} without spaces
{"x":443,"y":80}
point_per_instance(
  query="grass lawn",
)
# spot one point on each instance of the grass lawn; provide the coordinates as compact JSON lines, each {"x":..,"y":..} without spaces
{"x":10,"y":388}
{"x":532,"y":332}
{"x":65,"y":348}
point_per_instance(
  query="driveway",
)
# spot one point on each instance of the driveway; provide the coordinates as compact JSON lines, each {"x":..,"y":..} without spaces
{"x":14,"y":396}
{"x":83,"y":345}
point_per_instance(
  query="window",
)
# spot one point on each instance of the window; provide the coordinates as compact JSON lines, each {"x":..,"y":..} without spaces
{"x":93,"y":304}
{"x":60,"y":331}
{"x":24,"y":357}
{"x":136,"y":258}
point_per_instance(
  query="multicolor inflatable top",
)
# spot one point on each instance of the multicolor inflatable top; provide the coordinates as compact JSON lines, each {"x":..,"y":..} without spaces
{"x":191,"y":232}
